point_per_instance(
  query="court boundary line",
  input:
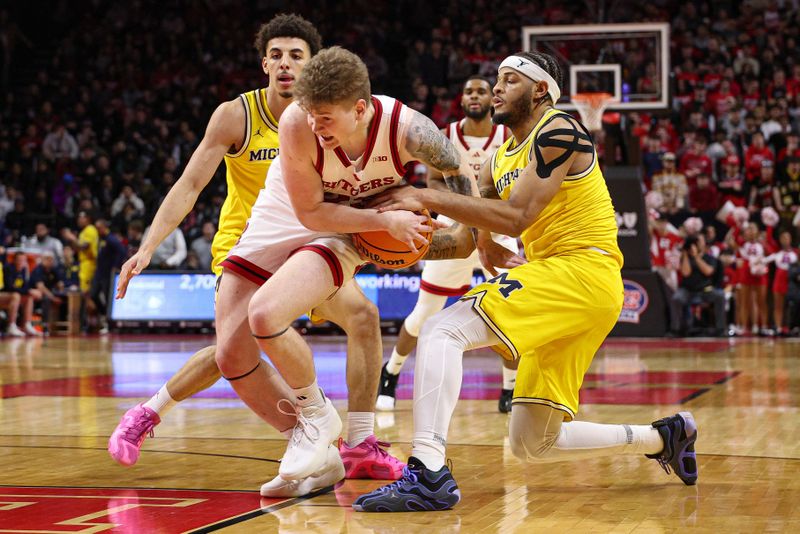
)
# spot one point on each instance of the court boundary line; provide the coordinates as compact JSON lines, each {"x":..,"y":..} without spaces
{"x":190,"y":453}
{"x":247,"y":516}
{"x":408,"y":443}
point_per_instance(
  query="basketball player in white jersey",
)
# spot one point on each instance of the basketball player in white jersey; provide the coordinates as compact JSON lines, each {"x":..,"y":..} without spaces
{"x":244,"y":132}
{"x":339,"y":146}
{"x":475,"y":137}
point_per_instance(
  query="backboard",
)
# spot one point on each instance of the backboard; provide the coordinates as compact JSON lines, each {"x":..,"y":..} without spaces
{"x":629,"y":61}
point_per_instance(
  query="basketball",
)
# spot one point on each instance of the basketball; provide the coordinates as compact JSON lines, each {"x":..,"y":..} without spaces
{"x":385,"y":251}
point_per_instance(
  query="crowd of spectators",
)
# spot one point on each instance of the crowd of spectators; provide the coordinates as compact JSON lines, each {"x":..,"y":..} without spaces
{"x":103,"y":103}
{"x":724,"y":167}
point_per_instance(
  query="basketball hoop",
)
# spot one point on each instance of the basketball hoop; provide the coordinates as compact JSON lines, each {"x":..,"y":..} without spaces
{"x":591,"y":107}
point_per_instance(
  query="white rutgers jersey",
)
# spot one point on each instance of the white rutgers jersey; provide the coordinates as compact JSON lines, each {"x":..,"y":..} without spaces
{"x":476,"y":149}
{"x":379,"y":168}
{"x":274,"y":231}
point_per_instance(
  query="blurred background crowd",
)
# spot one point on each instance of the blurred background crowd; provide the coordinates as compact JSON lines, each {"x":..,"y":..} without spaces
{"x":102,"y":104}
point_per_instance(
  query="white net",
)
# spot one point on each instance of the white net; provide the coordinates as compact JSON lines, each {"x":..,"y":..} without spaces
{"x":591,"y":107}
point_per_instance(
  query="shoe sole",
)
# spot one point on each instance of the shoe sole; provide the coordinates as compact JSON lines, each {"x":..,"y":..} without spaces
{"x":332,"y":477}
{"x":690,"y":428}
{"x":317,"y":465}
{"x":359,"y":508}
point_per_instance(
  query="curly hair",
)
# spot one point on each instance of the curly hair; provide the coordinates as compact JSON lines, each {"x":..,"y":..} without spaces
{"x":288,"y":25}
{"x":333,"y":76}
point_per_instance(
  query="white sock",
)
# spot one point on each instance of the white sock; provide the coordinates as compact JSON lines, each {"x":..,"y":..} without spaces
{"x":360,"y":426}
{"x":161,"y":402}
{"x":395,"y":363}
{"x":437,"y":376}
{"x":310,"y":395}
{"x":509,"y":378}
{"x":579,"y":439}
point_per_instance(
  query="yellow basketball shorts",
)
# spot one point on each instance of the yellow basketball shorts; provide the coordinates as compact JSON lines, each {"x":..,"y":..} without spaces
{"x":222,"y":244}
{"x":86,"y":271}
{"x":553,"y":314}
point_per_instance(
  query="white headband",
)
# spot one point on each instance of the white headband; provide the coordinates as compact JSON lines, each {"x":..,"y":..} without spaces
{"x":533,"y":71}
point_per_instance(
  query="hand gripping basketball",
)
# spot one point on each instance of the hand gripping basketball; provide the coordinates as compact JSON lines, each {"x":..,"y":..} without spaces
{"x":380,"y":248}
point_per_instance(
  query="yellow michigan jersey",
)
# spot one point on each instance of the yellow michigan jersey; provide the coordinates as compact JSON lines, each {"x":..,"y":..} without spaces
{"x":555,"y":311}
{"x":87,"y":257}
{"x":246,"y":171}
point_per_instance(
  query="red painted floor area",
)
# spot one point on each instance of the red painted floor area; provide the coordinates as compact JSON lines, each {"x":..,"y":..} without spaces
{"x":26,"y":509}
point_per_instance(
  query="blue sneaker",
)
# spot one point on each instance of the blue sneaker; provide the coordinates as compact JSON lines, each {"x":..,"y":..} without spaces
{"x":419,"y":490}
{"x":679,"y":433}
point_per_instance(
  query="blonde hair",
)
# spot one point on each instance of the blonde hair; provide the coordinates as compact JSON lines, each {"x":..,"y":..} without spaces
{"x":333,"y":76}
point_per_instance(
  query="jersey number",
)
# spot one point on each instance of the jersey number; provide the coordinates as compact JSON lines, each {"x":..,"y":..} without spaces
{"x":507,"y":285}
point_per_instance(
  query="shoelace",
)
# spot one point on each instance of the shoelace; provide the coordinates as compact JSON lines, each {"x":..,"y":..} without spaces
{"x":379,"y":447}
{"x":304,"y":424}
{"x":408,"y":476}
{"x":141,"y":425}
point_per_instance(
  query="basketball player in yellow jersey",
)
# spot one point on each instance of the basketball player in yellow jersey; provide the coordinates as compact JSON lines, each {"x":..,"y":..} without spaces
{"x":244,"y":132}
{"x":552,"y":313}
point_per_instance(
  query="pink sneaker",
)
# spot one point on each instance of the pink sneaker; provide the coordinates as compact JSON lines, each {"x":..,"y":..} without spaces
{"x":127,"y":439}
{"x":370,"y":460}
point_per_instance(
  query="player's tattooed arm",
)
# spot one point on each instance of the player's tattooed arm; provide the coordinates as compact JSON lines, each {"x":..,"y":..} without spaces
{"x":453,"y":242}
{"x":486,"y":186}
{"x":426,"y":143}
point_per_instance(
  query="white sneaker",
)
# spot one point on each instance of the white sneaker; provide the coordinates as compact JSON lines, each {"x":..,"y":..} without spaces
{"x":30,"y":330}
{"x":316,"y":428}
{"x":14,"y":331}
{"x":331,"y":473}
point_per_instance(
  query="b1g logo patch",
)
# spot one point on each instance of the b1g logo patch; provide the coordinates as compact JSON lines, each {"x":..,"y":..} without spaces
{"x":634,"y":302}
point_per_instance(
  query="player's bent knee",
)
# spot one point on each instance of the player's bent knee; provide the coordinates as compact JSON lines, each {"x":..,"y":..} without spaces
{"x":262,"y":319}
{"x":427,"y":306}
{"x":365,"y":319}
{"x":530,"y":446}
{"x":230,"y":364}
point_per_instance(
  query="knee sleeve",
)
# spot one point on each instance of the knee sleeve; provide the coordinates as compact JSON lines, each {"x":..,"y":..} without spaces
{"x":427,"y":305}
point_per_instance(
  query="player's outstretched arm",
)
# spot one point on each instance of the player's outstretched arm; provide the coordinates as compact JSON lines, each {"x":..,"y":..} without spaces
{"x":298,"y":153}
{"x":225,"y":130}
{"x":492,"y":255}
{"x":536,"y":186}
{"x":422,"y":140}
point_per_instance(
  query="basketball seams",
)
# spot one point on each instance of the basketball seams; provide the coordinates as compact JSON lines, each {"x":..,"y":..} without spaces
{"x":372,"y":250}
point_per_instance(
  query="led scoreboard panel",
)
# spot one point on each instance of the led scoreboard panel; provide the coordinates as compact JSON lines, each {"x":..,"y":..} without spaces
{"x":175,"y":296}
{"x":159,"y":296}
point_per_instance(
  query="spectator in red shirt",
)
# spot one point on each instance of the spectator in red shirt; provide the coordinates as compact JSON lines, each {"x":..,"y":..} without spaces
{"x":764,"y":193}
{"x":722,"y":100}
{"x":792,"y":149}
{"x":755,"y":154}
{"x":778,"y":88}
{"x":704,"y":198}
{"x":695,"y":160}
{"x":752,"y":94}
{"x":665,"y":245}
{"x":731,"y":183}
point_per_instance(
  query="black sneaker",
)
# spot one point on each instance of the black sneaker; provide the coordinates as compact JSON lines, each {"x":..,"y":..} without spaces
{"x":504,"y":404}
{"x":419,"y":490}
{"x":386,"y":390}
{"x":679,"y":433}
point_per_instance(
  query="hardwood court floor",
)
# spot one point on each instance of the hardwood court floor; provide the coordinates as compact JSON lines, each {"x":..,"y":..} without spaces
{"x":60,"y":399}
